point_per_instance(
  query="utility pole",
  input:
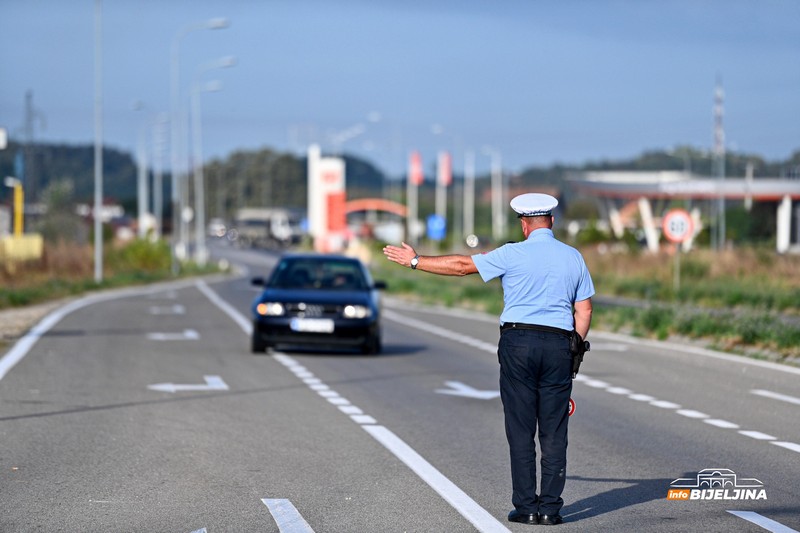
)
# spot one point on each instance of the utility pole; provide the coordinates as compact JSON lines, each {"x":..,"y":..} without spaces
{"x":98,"y":141}
{"x":29,"y":177}
{"x":469,"y":194}
{"x":719,"y":161}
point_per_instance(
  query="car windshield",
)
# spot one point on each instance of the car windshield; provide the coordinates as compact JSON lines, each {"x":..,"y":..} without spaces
{"x":329,"y":274}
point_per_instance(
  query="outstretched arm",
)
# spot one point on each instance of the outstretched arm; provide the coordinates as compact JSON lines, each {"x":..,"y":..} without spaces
{"x":446,"y":265}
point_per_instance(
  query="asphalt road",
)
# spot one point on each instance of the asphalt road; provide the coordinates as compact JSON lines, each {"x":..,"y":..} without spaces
{"x":143,"y":410}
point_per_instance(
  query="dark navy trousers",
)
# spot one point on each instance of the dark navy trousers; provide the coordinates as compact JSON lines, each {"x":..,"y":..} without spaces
{"x":535,"y":387}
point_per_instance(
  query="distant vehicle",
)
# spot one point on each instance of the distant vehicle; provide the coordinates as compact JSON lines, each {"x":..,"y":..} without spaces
{"x":268,"y":227}
{"x":325,"y":301}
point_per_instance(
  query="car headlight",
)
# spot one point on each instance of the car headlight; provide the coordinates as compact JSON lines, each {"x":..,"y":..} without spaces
{"x":270,"y":309}
{"x":356,"y":311}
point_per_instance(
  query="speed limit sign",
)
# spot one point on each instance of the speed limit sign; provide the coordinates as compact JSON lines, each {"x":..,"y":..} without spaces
{"x":677,"y":225}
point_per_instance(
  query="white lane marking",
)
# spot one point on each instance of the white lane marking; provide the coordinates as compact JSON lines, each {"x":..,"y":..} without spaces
{"x":287,"y":361}
{"x":617,"y":337}
{"x":201,"y":530}
{"x":665,"y":404}
{"x":619,"y":390}
{"x":462,"y":503}
{"x":763,"y":521}
{"x":441,"y":332}
{"x":689,"y":413}
{"x":212,"y":383}
{"x":23,"y":346}
{"x":176,"y":309}
{"x":457,"y":498}
{"x":459,"y":389}
{"x":641,"y":397}
{"x":227,"y":308}
{"x":339,"y":401}
{"x":595,"y":383}
{"x":757,"y":435}
{"x":776,"y":396}
{"x":287,"y":517}
{"x":788,"y":445}
{"x":724,"y":424}
{"x":187,"y":334}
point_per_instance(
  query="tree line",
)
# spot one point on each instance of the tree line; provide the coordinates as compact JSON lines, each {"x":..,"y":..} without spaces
{"x":267,"y":177}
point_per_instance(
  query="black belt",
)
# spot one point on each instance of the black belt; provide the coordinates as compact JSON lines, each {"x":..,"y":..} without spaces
{"x":537,"y":327}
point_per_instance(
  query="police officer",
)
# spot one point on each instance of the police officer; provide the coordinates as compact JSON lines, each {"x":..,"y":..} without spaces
{"x":547,"y":294}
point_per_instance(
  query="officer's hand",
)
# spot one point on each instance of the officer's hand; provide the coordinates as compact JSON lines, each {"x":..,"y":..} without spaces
{"x":402,"y":255}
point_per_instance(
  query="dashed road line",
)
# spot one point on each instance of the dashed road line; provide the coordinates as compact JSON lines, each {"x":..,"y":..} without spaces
{"x":599,"y":384}
{"x":457,"y":498}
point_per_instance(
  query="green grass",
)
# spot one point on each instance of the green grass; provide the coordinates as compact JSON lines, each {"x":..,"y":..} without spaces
{"x":137,"y":263}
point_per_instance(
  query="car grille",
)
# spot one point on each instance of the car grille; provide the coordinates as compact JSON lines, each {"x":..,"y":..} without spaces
{"x":312,"y":310}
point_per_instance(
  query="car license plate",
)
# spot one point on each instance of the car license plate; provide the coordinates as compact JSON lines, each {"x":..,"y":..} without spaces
{"x":312,"y":325}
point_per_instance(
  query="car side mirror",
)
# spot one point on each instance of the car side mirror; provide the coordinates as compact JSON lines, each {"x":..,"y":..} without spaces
{"x":380,"y":285}
{"x":257,"y":281}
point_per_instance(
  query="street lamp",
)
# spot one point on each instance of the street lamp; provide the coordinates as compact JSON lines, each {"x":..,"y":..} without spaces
{"x":142,"y":189}
{"x":178,"y":247}
{"x":201,"y":254}
{"x":16,"y":184}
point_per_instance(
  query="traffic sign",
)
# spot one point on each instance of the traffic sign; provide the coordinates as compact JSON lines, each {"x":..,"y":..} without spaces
{"x":677,"y":225}
{"x":437,"y":227}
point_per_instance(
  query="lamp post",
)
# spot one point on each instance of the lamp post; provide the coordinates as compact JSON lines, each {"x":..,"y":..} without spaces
{"x":178,"y":247}
{"x":19,"y":202}
{"x":98,"y":141}
{"x":158,"y":164}
{"x":201,"y":253}
{"x":142,"y":189}
{"x":469,"y":194}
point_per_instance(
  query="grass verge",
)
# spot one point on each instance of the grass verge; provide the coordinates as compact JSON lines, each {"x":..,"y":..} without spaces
{"x":742,"y":303}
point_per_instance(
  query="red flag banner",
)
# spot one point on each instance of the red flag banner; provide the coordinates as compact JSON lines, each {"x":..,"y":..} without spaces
{"x":415,"y":174}
{"x":444,"y":169}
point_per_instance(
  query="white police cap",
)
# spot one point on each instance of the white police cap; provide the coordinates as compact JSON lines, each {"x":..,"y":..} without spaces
{"x":533,"y":204}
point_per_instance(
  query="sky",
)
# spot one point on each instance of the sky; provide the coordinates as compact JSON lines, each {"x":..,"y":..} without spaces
{"x":532,"y":82}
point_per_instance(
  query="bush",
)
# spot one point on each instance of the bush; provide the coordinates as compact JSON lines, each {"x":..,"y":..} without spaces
{"x":141,"y":255}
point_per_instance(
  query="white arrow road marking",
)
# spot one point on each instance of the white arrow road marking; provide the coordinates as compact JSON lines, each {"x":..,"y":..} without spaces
{"x":776,"y":396}
{"x":187,"y":334}
{"x":287,"y":517}
{"x":459,"y":389}
{"x":763,"y":521}
{"x":212,"y":383}
{"x":168,"y":310}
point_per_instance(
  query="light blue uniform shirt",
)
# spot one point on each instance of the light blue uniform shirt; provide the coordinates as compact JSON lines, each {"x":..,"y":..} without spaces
{"x":542,"y":278}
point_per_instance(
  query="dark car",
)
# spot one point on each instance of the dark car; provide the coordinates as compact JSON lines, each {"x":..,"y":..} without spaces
{"x":323,"y":301}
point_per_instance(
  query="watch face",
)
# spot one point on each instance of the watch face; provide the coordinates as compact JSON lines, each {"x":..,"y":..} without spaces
{"x":414,"y":262}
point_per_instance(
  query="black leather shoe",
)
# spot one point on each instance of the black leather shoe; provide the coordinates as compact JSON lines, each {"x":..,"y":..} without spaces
{"x":550,"y":519}
{"x":523,"y":518}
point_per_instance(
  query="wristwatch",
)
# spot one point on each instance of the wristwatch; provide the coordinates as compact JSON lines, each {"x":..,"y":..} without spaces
{"x":415,"y":262}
